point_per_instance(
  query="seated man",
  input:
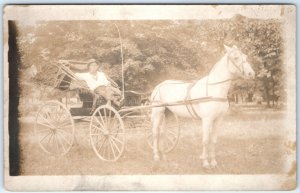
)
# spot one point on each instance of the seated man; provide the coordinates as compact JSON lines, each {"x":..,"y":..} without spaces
{"x":98,"y":83}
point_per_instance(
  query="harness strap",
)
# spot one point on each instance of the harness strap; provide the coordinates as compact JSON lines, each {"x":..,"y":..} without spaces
{"x":189,"y":104}
{"x":220,"y":82}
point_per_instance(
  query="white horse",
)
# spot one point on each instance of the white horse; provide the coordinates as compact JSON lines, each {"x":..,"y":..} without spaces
{"x":215,"y":85}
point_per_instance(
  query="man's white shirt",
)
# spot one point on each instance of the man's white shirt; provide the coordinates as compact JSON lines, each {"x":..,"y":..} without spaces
{"x":93,"y":81}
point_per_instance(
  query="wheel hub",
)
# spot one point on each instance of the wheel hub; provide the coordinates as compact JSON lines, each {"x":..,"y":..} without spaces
{"x":106,"y":132}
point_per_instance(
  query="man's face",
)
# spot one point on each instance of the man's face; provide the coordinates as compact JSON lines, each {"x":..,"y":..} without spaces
{"x":93,"y":68}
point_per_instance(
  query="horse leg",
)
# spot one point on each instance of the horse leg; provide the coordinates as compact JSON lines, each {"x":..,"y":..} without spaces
{"x":214,"y":138}
{"x":162,"y":132}
{"x":206,"y":128}
{"x":156,"y":119}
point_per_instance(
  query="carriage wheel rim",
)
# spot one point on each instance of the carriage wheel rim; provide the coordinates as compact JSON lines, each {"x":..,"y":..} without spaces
{"x":55,"y":133}
{"x":109,"y":139}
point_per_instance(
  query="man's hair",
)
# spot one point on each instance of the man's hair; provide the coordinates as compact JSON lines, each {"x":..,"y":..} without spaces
{"x":91,"y":61}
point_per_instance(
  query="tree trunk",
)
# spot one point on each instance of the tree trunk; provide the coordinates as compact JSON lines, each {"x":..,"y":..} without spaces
{"x":267,"y":94}
{"x":273,"y":90}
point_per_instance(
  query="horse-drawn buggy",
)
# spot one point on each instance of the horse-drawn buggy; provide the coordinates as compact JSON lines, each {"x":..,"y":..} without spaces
{"x":55,"y":126}
{"x":204,"y":99}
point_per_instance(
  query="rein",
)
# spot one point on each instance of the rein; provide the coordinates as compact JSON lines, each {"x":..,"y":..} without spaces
{"x":220,"y":82}
{"x":190,"y":106}
{"x":193,"y":82}
{"x":189,"y":102}
{"x":223,"y":81}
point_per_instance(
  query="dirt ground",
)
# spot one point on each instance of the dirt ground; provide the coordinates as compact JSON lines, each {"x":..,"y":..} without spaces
{"x":250,"y":142}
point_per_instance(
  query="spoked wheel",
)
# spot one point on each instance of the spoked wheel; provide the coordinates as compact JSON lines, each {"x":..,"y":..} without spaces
{"x":168,"y":134}
{"x":107,"y":133}
{"x":54,"y":128}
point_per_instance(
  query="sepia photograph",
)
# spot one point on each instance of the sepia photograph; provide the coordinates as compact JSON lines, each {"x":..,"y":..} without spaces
{"x":150,"y":97}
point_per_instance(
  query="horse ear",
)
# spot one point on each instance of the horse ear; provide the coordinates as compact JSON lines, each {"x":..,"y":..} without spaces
{"x":227,"y":48}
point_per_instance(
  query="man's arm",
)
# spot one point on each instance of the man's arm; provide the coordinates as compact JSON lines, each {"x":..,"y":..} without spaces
{"x":109,"y":81}
{"x":80,"y":76}
{"x":103,"y":79}
{"x":79,"y":81}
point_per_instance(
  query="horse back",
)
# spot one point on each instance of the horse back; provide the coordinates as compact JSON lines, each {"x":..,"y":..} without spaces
{"x":170,"y":90}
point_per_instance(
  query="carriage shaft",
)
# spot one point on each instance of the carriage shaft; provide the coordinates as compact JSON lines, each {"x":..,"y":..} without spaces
{"x":176,"y":103}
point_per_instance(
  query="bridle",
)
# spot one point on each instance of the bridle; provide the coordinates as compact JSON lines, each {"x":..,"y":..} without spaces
{"x":240,"y":67}
{"x":189,"y":104}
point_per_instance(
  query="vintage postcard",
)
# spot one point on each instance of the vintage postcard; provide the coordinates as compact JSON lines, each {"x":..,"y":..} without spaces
{"x":149,"y":97}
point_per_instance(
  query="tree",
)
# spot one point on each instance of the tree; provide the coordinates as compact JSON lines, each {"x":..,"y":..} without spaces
{"x":154,"y":51}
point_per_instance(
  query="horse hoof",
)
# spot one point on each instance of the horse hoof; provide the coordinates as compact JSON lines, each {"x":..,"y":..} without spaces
{"x":213,"y":164}
{"x":206,"y":164}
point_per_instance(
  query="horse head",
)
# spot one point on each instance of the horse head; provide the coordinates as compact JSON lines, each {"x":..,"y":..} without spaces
{"x":238,"y":64}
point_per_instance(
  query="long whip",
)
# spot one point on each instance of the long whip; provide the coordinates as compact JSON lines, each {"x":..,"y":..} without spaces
{"x":123,"y":85}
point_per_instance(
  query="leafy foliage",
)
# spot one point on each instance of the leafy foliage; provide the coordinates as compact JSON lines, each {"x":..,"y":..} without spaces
{"x":154,"y":51}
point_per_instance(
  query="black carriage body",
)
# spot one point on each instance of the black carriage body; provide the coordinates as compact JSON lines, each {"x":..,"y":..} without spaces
{"x":87,"y":105}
